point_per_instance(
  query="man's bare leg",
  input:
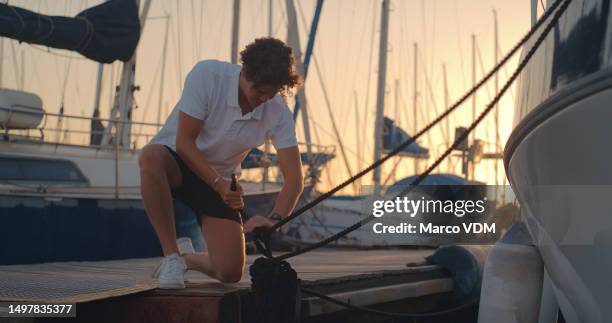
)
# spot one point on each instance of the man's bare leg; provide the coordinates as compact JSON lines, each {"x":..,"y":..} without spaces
{"x":158,"y":173}
{"x":225,"y":258}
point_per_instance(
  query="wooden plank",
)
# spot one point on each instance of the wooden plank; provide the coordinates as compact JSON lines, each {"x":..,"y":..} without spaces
{"x":317,"y":265}
{"x":377,"y":295}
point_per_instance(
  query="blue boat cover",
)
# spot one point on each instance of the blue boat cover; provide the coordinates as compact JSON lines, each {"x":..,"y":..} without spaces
{"x":393,"y":136}
{"x":103,"y":33}
{"x":255,"y":159}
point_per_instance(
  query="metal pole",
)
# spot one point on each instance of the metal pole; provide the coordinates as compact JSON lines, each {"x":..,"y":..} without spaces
{"x":396,"y":116}
{"x":98,"y":88}
{"x":415,"y":98}
{"x":473,"y":134}
{"x":380,"y":99}
{"x":1,"y":58}
{"x":534,"y":11}
{"x":358,"y":133}
{"x":446,"y":105}
{"x":163,"y":72}
{"x":235,"y":31}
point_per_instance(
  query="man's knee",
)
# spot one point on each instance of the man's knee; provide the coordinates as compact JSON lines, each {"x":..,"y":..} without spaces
{"x":150,"y":161}
{"x":230,"y":274}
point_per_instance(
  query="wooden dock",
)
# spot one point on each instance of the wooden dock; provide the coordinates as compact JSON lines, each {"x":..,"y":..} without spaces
{"x":126,"y":293}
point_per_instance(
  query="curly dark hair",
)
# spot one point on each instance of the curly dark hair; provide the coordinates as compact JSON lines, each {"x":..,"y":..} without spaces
{"x":268,"y":61}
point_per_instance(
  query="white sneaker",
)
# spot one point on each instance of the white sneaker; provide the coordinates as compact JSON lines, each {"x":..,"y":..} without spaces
{"x":170,"y":272}
{"x":184,"y":245}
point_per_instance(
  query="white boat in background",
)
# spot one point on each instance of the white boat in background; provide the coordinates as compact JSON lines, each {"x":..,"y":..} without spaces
{"x":559,"y":158}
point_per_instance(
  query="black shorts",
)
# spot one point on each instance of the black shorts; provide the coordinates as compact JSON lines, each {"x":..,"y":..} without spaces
{"x":199,"y":196}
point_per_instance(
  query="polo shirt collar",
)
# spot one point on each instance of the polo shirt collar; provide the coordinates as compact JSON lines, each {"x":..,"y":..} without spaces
{"x":232,"y":96}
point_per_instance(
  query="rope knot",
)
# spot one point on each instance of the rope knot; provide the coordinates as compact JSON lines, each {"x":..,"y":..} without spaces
{"x":269,"y":274}
{"x":275,"y":285}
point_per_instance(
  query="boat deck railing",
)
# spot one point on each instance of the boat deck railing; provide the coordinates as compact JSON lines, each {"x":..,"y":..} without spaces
{"x":65,"y":129}
{"x":59,"y":128}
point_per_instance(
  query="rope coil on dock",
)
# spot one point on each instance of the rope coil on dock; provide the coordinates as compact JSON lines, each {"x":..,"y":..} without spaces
{"x":277,"y":269}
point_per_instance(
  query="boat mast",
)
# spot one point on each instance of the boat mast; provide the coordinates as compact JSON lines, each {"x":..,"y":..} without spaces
{"x":124,"y":100}
{"x":294,"y":41}
{"x":265,"y":168}
{"x":380,"y":99}
{"x":448,"y":140}
{"x":470,"y":168}
{"x":396,"y":117}
{"x":235,"y":31}
{"x":534,"y":11}
{"x":495,"y":59}
{"x":415,"y":101}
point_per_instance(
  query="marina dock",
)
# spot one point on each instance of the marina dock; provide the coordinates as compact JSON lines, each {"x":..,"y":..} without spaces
{"x":123,"y":290}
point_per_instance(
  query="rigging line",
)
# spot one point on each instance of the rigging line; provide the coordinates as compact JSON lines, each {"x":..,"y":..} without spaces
{"x":150,"y":96}
{"x":433,"y":38}
{"x":479,"y":55}
{"x":179,"y":46}
{"x":199,"y":50}
{"x":487,"y":87}
{"x":317,"y":125}
{"x":194,"y":33}
{"x":337,"y":51}
{"x":256,"y":17}
{"x":457,"y":142}
{"x":459,"y":43}
{"x":506,"y":74}
{"x":65,"y":83}
{"x":223,"y":19}
{"x":283,"y":18}
{"x":462,"y":100}
{"x":348,"y":94}
{"x":333,"y":121}
{"x":331,"y":115}
{"x":404,"y":53}
{"x":441,"y":128}
{"x":397,"y":160}
{"x":346,"y":105}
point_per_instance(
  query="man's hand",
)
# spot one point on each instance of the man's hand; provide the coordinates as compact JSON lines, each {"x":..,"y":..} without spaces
{"x":258,"y":221}
{"x":233,"y":199}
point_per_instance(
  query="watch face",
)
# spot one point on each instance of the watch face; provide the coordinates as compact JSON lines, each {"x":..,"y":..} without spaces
{"x":276,"y":217}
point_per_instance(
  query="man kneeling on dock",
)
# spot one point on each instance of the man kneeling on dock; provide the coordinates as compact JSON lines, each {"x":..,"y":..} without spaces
{"x":225,"y":110}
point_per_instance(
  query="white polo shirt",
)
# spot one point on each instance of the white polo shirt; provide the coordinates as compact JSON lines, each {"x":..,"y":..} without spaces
{"x":211,"y":94}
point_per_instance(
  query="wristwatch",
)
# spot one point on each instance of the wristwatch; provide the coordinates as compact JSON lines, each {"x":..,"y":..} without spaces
{"x":275,"y":217}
